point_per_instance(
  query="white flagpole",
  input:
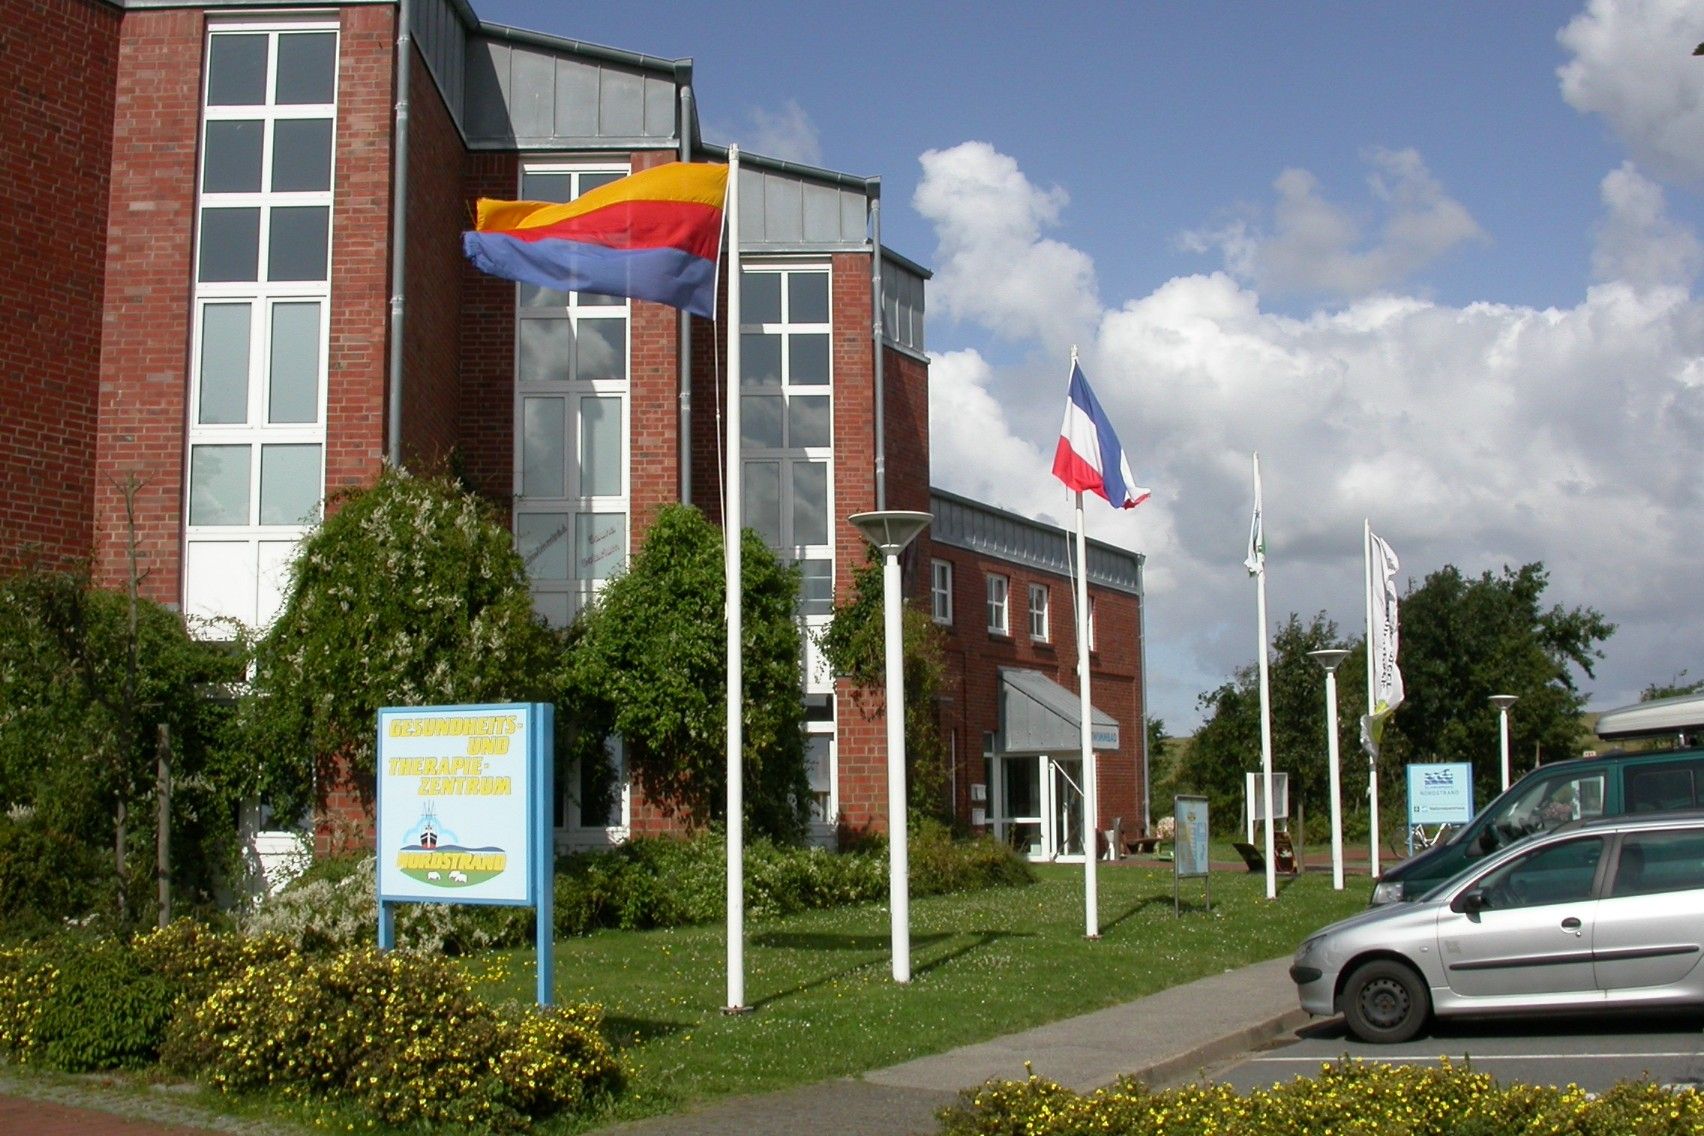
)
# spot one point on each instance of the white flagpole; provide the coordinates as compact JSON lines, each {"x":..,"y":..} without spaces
{"x":731,"y":529}
{"x":1372,"y":694}
{"x":1265,"y":702}
{"x":1091,"y":794}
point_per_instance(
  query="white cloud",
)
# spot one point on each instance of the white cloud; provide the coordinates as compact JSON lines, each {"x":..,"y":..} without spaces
{"x":1637,"y":242}
{"x":1317,"y":248}
{"x":1479,"y":436}
{"x":788,"y":134}
{"x":1633,"y":65}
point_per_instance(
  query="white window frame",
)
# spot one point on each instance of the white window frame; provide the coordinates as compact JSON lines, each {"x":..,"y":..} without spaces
{"x":250,"y":560}
{"x":941,"y":591}
{"x":1038,"y":613}
{"x":561,"y":599}
{"x":575,"y":832}
{"x":999,"y":605}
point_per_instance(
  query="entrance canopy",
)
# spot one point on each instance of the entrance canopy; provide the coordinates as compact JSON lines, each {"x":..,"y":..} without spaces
{"x":1037,"y":715}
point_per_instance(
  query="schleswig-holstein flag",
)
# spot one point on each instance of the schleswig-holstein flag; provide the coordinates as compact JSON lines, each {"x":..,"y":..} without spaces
{"x":1089,"y":456}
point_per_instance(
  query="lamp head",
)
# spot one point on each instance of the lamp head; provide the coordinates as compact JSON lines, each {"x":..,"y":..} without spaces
{"x":1329,"y":658}
{"x":890,"y":530}
{"x":1503,"y":701}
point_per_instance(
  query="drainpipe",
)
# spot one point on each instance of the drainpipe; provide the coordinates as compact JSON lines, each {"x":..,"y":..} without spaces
{"x":399,"y":226}
{"x":876,"y":343}
{"x":684,"y":338}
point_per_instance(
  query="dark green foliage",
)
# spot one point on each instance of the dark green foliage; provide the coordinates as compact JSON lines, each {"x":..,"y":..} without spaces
{"x":47,"y":875}
{"x":104,"y":1012}
{"x":855,"y":644}
{"x":649,"y":662}
{"x":83,"y":696}
{"x":941,"y":864}
{"x":410,"y":594}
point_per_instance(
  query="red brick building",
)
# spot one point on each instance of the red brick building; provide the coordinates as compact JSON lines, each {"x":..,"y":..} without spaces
{"x":236,"y":286}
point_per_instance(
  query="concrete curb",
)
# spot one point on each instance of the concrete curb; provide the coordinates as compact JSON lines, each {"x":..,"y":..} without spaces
{"x":1184,"y":1066}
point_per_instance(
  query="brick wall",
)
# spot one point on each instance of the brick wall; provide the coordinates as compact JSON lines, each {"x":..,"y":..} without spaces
{"x":486,"y":438}
{"x":55,"y":161}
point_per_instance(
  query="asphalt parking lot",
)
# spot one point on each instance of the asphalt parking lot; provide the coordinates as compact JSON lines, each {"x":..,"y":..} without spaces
{"x":1591,"y":1053}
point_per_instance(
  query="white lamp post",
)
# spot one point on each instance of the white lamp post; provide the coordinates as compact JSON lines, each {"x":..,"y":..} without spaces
{"x":1502,"y":702}
{"x":1330,"y":658}
{"x":891,"y":530}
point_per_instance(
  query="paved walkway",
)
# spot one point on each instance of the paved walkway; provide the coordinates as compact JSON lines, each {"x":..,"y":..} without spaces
{"x":1163,"y":1038}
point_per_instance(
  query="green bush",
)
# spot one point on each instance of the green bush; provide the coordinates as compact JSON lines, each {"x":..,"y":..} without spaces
{"x":95,"y":1007}
{"x":47,"y":875}
{"x":400,"y":1034}
{"x":1351,"y":1098}
{"x":27,"y":980}
{"x":941,"y":864}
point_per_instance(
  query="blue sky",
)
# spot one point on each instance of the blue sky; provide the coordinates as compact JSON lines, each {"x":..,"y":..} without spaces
{"x":1437,"y":263}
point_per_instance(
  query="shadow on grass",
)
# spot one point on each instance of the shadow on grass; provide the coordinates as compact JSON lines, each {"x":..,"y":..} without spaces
{"x":626,"y":1031}
{"x":874,"y":944}
{"x":979,"y":940}
{"x":1162,"y":900}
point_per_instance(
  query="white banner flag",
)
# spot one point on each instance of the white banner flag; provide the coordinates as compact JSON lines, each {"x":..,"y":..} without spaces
{"x":1382,"y":636}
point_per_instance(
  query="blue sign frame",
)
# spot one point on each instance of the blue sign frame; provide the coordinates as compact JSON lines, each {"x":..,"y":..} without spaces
{"x":1440,"y":793}
{"x":491,"y":768}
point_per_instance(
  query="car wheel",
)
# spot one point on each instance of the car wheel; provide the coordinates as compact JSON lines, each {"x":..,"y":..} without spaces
{"x":1385,"y":1001}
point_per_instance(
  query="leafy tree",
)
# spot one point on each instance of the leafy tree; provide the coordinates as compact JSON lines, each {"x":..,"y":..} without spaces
{"x":87,"y":680}
{"x":410,"y":593}
{"x":648,"y":661}
{"x":1674,"y":688}
{"x":1464,"y":640}
{"x":855,"y":644}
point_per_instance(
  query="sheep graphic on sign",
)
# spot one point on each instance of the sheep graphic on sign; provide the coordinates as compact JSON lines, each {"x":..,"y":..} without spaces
{"x":431,"y":854}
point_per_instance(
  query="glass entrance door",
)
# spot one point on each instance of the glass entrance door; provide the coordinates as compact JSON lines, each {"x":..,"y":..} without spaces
{"x":1065,"y":809}
{"x":1021,"y":813}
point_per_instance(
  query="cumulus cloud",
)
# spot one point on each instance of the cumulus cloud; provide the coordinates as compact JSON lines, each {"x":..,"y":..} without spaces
{"x":1318,"y":248}
{"x":788,"y":134}
{"x":1632,"y":64}
{"x":1477,"y":435}
{"x":1637,"y":242}
{"x":995,"y":266}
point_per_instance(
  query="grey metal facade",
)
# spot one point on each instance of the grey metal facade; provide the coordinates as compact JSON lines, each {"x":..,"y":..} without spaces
{"x":962,"y":523}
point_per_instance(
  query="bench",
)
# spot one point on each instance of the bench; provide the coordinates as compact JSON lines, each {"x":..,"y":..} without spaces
{"x":1283,"y":853}
{"x":1141,"y":845}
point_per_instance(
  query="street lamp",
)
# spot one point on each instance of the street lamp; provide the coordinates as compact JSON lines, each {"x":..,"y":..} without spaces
{"x":891,"y":530}
{"x":1330,"y":658}
{"x":1502,"y":702}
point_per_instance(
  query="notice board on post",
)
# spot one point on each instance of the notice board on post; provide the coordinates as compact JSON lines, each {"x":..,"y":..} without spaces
{"x":1189,"y":855}
{"x":464,"y":812}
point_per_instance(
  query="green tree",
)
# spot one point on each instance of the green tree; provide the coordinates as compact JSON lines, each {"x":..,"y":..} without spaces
{"x":855,"y":644}
{"x":1465,"y":639}
{"x":410,"y":593}
{"x":648,"y":661}
{"x":1673,"y":688}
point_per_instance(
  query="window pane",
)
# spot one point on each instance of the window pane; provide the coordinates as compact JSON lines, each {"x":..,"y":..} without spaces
{"x":807,"y":420}
{"x":816,"y":586}
{"x":602,"y":349}
{"x":807,"y":297}
{"x":547,"y":187}
{"x":760,"y":421}
{"x":760,"y":297}
{"x":810,"y":502}
{"x":542,"y":541}
{"x":600,"y":541}
{"x":236,"y":70}
{"x":760,"y":360}
{"x":289,"y":485}
{"x":544,"y":349}
{"x":230,"y":244}
{"x":219,"y":485}
{"x":230,"y":158}
{"x":293,"y":384}
{"x":761,"y":499}
{"x":301,"y":154}
{"x":533,"y":296}
{"x":544,"y":447}
{"x":307,"y":68}
{"x":298,"y":243}
{"x":807,"y":359}
{"x":224,"y":363}
{"x":600,"y":447}
{"x":589,"y":182}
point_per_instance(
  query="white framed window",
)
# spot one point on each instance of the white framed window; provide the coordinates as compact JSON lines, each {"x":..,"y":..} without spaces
{"x":571,"y":421}
{"x":786,"y":419}
{"x":941,"y":590}
{"x":999,"y":621}
{"x":1038,"y":612}
{"x":581,"y":827}
{"x":260,"y":325}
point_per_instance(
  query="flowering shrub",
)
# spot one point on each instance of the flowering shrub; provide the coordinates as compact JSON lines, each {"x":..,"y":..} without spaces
{"x":400,"y":1034}
{"x":81,"y":1005}
{"x":1350,"y":1098}
{"x":1165,"y":828}
{"x":27,"y":980}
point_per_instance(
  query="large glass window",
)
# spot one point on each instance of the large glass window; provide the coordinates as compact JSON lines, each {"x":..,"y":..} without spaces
{"x":262,"y":280}
{"x":571,"y":361}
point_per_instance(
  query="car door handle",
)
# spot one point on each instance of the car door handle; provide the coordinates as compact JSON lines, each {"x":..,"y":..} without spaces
{"x":1571,"y":924}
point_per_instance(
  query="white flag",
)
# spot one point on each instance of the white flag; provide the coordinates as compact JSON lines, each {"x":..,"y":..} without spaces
{"x":1256,"y":561}
{"x":1381,"y":640}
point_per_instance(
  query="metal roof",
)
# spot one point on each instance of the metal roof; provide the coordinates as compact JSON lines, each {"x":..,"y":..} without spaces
{"x":1037,"y":715}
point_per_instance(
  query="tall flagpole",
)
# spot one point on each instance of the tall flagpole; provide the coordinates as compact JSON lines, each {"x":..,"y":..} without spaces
{"x":731,"y":531}
{"x":1265,"y":701}
{"x":1372,"y":694}
{"x":1091,"y":791}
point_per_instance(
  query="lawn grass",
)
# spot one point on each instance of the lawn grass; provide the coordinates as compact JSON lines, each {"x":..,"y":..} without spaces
{"x":823,"y":1002}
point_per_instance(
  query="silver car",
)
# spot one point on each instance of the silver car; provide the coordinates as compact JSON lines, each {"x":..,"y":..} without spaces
{"x":1595,"y":915}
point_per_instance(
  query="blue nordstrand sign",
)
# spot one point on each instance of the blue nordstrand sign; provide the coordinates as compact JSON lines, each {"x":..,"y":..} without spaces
{"x":1440,"y":793}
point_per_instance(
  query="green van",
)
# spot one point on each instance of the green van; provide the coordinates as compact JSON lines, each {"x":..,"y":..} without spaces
{"x":1577,"y":789}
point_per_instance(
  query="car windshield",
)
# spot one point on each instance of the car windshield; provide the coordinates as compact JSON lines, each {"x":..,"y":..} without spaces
{"x":1540,"y":804}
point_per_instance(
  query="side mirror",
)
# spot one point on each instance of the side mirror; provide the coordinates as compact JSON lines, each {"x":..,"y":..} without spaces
{"x":1471,"y":902}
